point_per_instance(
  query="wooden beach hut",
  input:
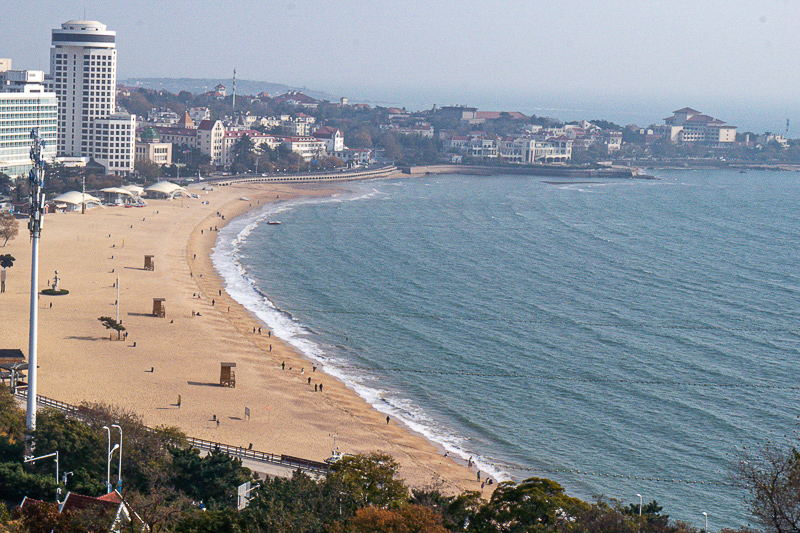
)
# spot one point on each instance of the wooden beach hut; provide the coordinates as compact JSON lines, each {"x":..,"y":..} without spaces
{"x":12,"y":368}
{"x":149,"y":262}
{"x":227,"y":376}
{"x":159,"y":307}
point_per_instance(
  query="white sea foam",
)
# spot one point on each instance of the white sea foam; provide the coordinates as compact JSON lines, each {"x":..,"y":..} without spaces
{"x":227,"y":259}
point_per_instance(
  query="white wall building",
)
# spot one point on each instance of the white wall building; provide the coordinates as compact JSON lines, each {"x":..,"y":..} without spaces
{"x":688,"y":125}
{"x":24,"y":105}
{"x":112,"y":143}
{"x":199,"y":114}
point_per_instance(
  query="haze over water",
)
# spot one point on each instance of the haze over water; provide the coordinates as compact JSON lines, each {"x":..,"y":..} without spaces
{"x":624,"y":328}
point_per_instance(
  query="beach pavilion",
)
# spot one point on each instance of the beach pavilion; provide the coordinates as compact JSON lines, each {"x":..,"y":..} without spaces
{"x":165,"y":189}
{"x":72,"y":201}
{"x":135,"y":189}
{"x":119,"y":196}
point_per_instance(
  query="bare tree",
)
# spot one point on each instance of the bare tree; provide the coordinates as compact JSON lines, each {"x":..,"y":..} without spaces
{"x":9,"y":227}
{"x":772,"y":478}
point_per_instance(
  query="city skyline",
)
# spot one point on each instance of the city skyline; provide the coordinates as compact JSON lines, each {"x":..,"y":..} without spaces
{"x":622,"y":59}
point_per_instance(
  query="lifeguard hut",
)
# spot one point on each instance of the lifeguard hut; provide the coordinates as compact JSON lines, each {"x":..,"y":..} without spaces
{"x":227,"y":377}
{"x":149,"y":262}
{"x":159,"y":307}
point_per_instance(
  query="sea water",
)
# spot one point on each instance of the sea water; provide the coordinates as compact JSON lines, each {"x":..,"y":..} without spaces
{"x":619,"y":337}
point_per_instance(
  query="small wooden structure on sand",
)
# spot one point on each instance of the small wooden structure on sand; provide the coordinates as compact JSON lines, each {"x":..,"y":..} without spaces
{"x":159,"y":308}
{"x":149,"y":262}
{"x":227,"y":377}
{"x":12,"y":368}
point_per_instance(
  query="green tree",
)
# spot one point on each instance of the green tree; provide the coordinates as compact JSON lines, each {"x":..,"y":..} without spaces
{"x":407,"y":519}
{"x":80,"y":447}
{"x":147,"y":169}
{"x":243,"y":154}
{"x":212,"y":479}
{"x":536,"y":504}
{"x":368,"y":480}
{"x":110,"y":323}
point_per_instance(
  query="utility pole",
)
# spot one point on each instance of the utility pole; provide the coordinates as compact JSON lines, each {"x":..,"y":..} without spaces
{"x":83,"y":192}
{"x":36,"y":177}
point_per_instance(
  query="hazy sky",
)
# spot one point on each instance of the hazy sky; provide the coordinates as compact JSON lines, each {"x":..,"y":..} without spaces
{"x":737,"y":60}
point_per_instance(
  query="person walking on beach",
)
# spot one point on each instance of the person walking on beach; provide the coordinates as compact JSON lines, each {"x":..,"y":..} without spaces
{"x":479,"y":475}
{"x":259,"y":331}
{"x":283,"y":365}
{"x":387,"y":420}
{"x":320,"y":387}
{"x":179,"y":401}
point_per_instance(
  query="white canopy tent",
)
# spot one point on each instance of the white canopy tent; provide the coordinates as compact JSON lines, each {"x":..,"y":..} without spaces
{"x":118,"y":195}
{"x":72,"y":200}
{"x":166,"y":189}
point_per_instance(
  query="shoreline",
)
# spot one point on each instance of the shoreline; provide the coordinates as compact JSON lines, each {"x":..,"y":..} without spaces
{"x":293,"y":356}
{"x":78,"y":361}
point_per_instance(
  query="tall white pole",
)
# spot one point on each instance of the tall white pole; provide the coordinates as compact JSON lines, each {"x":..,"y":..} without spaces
{"x":119,"y":471}
{"x":35,"y":226}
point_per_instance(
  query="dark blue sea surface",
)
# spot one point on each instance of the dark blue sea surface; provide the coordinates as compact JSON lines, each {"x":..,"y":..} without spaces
{"x":620,"y":337}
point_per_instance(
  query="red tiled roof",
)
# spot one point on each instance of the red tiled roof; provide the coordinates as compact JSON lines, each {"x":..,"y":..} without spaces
{"x":687,"y":110}
{"x":326,"y":132}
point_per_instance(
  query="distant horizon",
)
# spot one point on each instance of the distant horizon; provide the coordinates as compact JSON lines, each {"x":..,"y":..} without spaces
{"x":624,"y":61}
{"x":642,"y":111}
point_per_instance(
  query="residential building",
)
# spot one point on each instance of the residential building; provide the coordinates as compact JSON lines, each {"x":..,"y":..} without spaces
{"x":332,"y":137}
{"x":25,"y":105}
{"x":259,"y":139}
{"x":422,"y":129}
{"x":296,"y":98}
{"x":211,"y":139}
{"x":308,"y":147}
{"x":178,"y":136}
{"x":458,"y":112}
{"x":299,"y":126}
{"x":199,"y":114}
{"x":150,"y":148}
{"x":688,"y":125}
{"x":83,"y":67}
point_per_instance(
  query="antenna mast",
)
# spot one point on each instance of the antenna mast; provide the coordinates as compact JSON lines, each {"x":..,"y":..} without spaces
{"x":234,"y":91}
{"x":36,"y":207}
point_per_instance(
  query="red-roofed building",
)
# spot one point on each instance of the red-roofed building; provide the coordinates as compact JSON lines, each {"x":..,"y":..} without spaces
{"x":259,"y":139}
{"x":332,"y":137}
{"x":296,"y":98}
{"x":111,"y":506}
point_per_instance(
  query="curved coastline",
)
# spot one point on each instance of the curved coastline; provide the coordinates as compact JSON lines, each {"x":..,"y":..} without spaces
{"x":421,"y":460}
{"x":242,"y":288}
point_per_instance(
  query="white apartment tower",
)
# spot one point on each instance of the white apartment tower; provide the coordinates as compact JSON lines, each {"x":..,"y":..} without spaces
{"x":83,"y":67}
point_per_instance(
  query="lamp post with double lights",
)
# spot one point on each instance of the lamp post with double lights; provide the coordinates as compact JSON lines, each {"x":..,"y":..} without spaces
{"x":119,"y":471}
{"x":108,"y":462}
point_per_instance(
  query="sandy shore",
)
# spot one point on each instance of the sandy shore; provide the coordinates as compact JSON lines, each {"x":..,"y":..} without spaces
{"x":78,"y":361}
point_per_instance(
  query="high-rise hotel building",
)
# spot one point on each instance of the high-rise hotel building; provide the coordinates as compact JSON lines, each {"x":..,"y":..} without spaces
{"x":83,"y":70}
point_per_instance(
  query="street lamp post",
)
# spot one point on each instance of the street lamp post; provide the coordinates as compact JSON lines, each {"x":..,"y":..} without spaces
{"x":640,"y":504}
{"x":108,"y":461}
{"x":30,"y":459}
{"x":119,"y":471}
{"x":705,"y":515}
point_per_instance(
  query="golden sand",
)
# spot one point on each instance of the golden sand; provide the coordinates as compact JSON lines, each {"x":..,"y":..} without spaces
{"x":78,"y":361}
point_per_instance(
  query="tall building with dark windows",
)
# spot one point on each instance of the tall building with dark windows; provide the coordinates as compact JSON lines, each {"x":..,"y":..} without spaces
{"x":83,"y":71}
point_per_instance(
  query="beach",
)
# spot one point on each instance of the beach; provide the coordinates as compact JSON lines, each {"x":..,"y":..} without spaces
{"x":202,"y":328}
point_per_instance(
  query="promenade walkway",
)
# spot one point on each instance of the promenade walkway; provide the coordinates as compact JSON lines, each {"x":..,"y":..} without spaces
{"x":268,"y":464}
